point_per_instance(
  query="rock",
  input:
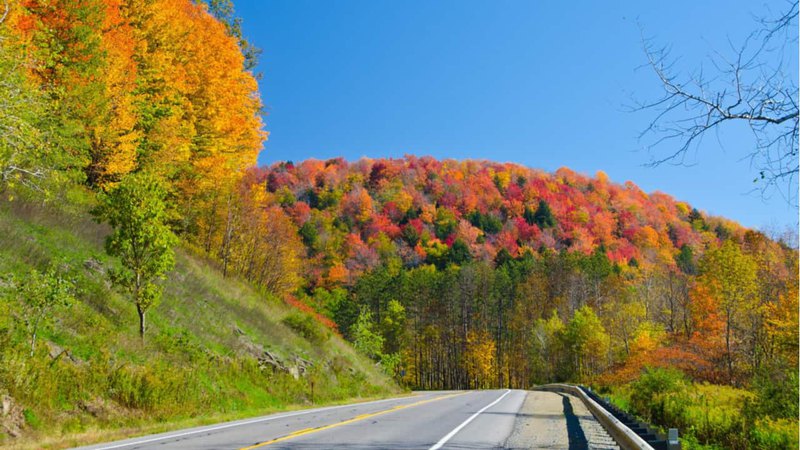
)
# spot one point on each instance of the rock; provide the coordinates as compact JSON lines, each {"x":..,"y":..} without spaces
{"x":300,"y":367}
{"x":267,"y":359}
{"x":250,"y":348}
{"x":99,"y":408}
{"x":94,"y":265}
{"x":12,"y":421}
{"x":55,"y":350}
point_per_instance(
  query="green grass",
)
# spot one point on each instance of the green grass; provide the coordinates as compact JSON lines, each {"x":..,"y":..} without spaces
{"x":197,"y":364}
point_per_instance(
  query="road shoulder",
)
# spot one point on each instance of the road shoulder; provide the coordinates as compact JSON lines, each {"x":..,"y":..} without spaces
{"x":540,"y":423}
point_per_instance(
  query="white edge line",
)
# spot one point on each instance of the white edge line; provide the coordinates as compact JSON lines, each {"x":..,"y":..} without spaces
{"x":237,"y":424}
{"x":450,"y":435}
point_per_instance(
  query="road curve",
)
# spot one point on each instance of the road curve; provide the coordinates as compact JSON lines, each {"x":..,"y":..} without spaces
{"x":427,"y":420}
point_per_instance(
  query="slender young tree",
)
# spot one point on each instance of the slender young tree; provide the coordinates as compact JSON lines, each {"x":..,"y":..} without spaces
{"x":141,"y":239}
{"x":39,"y":294}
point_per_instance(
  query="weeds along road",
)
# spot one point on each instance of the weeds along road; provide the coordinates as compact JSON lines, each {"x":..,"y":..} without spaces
{"x":427,"y":420}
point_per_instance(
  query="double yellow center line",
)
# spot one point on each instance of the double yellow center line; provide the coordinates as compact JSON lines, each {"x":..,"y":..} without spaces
{"x":348,"y":421}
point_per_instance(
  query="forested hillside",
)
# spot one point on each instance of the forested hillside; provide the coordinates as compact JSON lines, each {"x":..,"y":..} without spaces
{"x":474,"y":274}
{"x":129,"y":131}
{"x":141,"y":115}
{"x":479,"y":274}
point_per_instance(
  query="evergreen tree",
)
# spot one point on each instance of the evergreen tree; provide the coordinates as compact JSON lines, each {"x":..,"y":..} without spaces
{"x":543,"y":217}
{"x":685,"y":260}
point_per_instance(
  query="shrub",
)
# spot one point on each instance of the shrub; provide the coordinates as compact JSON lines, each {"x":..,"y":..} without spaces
{"x":776,"y":388}
{"x":775,"y":434}
{"x":306,"y":326}
{"x":653,"y":389}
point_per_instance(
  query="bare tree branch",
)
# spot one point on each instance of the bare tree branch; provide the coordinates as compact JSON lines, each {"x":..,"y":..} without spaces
{"x":755,"y":86}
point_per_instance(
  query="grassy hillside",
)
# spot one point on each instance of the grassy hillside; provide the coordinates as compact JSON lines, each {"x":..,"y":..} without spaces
{"x":90,"y":372}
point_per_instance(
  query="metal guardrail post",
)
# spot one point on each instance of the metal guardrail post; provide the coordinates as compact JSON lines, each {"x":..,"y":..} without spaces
{"x":673,"y":443}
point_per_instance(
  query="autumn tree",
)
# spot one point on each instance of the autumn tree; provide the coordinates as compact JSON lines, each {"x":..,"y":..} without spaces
{"x":480,"y":359}
{"x":730,"y":277}
{"x":30,"y":157}
{"x":223,"y":10}
{"x":263,"y":246}
{"x":454,"y":245}
{"x":81,"y":53}
{"x":136,"y":212}
{"x":623,"y":317}
{"x":782,"y":324}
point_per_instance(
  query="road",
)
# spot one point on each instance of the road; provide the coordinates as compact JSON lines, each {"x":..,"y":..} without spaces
{"x":427,"y":420}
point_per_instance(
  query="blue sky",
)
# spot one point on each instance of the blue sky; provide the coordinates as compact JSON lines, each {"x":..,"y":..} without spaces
{"x":541,"y":84}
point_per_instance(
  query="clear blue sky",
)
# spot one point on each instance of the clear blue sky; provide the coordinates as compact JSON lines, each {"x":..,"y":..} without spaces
{"x":542,"y":84}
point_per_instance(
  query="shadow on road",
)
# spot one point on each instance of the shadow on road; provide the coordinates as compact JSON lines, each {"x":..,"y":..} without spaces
{"x":577,"y":440}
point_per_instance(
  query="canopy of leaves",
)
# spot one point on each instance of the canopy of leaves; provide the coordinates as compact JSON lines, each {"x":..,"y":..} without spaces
{"x":140,"y":238}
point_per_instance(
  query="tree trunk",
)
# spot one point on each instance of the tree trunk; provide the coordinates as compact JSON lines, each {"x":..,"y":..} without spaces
{"x":33,"y":342}
{"x":141,"y":321}
{"x":728,"y":324}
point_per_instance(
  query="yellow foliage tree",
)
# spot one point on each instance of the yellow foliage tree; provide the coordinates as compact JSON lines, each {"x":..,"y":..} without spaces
{"x":479,"y":358}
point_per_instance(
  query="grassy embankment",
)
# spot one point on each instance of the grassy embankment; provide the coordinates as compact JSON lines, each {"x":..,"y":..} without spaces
{"x":91,"y":378}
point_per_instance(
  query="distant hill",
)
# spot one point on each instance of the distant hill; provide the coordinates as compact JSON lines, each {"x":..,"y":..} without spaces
{"x":463,"y":274}
{"x":426,"y":210}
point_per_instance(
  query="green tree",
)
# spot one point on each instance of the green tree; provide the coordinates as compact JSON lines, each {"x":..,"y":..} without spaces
{"x":365,"y":339}
{"x":38,"y":295}
{"x":503,"y":257}
{"x":309,"y":234}
{"x":140,"y":238}
{"x":393,"y":326}
{"x":543,"y":217}
{"x":685,"y":260}
{"x":459,"y":252}
{"x":547,"y":349}
{"x":410,"y":235}
{"x":588,"y":340}
{"x":488,"y":223}
{"x":445,"y":224}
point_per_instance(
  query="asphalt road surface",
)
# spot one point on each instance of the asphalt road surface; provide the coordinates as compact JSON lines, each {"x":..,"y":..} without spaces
{"x":427,"y":420}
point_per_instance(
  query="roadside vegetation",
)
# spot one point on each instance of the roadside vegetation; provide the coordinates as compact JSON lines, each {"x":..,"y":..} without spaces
{"x":716,"y":416}
{"x":216,"y":348}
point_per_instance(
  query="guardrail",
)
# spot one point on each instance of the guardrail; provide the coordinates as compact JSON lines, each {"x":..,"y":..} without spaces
{"x":623,"y":428}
